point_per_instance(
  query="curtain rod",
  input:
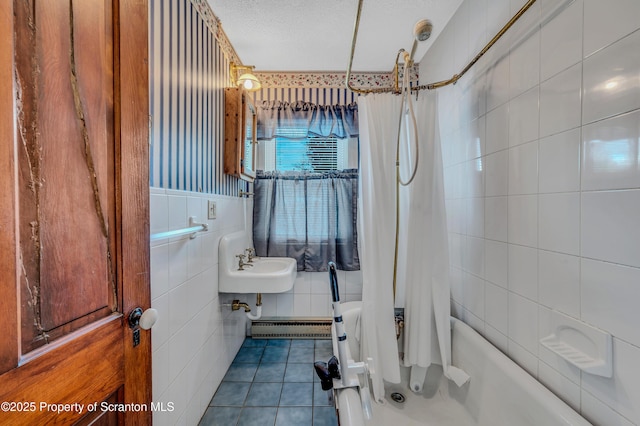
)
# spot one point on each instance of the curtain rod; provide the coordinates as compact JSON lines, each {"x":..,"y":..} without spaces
{"x":438,"y":84}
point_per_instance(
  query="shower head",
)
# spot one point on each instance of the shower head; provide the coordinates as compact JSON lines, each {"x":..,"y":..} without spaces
{"x":422,"y":30}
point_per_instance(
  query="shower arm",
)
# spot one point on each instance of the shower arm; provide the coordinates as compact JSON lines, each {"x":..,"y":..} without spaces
{"x":430,"y":86}
{"x":396,"y":68}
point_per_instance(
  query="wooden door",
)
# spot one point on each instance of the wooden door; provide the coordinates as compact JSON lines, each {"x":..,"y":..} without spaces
{"x":74,"y":219}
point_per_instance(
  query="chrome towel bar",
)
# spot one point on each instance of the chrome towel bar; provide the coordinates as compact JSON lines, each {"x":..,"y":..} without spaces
{"x":193,"y":228}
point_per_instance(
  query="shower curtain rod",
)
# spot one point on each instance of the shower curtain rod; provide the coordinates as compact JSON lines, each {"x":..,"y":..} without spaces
{"x":438,"y":84}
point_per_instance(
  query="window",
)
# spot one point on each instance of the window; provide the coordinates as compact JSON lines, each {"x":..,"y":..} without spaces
{"x":305,"y":192}
{"x":312,"y":154}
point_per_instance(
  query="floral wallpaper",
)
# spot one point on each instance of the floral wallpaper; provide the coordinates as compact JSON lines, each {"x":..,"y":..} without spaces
{"x":330,"y":79}
{"x":212,"y":21}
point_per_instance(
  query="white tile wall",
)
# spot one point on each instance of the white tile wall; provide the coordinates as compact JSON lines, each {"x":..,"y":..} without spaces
{"x":559,"y":162}
{"x":523,"y":169}
{"x":524,"y":117}
{"x":473,"y":294}
{"x":610,"y":153}
{"x":611,"y":80}
{"x":609,"y":227}
{"x":561,"y":41}
{"x":498,"y":12}
{"x":523,"y":357}
{"x":622,"y":392}
{"x":477,"y":139}
{"x":311,"y":294}
{"x":609,"y":297}
{"x":496,"y":218}
{"x":523,"y":322}
{"x":475,"y":222}
{"x":608,"y":22}
{"x":498,"y":339}
{"x":600,"y":413}
{"x":523,"y":220}
{"x":497,"y":173}
{"x":473,"y":256}
{"x":498,"y":129}
{"x":524,"y":69}
{"x":558,"y":229}
{"x":196,"y":337}
{"x":559,"y":282}
{"x":498,"y":89}
{"x":523,"y":271}
{"x":496,"y":261}
{"x":496,"y":302}
{"x":560,"y":165}
{"x":560,"y":101}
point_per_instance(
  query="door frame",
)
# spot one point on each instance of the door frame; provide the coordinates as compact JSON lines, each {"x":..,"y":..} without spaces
{"x":132,"y":193}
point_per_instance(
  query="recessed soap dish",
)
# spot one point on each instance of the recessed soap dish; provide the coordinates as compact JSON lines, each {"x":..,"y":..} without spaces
{"x":580,"y":344}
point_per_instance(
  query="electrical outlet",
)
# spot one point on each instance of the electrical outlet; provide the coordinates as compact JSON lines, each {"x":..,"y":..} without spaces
{"x":211,"y":211}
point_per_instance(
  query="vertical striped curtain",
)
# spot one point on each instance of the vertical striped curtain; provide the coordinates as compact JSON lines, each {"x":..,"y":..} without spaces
{"x":307,"y":216}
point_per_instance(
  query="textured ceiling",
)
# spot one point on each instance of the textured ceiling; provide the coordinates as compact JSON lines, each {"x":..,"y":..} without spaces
{"x":315,"y":35}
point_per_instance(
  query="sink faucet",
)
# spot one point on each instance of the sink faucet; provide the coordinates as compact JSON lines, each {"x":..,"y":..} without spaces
{"x":241,"y":262}
{"x":251,"y":254}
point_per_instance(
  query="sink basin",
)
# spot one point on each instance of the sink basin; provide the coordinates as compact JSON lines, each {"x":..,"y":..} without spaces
{"x":267,"y":275}
{"x":270,"y":265}
{"x":263,"y":275}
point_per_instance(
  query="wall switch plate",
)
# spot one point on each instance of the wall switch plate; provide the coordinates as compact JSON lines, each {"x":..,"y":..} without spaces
{"x":211,"y":210}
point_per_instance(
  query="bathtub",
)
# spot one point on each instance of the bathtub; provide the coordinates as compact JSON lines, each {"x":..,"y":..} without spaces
{"x":500,"y":393}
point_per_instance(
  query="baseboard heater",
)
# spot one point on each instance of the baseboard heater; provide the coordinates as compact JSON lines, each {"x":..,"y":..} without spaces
{"x":299,"y":328}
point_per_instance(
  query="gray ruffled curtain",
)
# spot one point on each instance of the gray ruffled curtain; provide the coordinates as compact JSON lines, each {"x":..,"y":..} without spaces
{"x":276,"y":118}
{"x":310,"y":217}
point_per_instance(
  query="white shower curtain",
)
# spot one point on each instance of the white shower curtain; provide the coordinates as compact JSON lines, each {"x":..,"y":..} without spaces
{"x":424,"y":263}
{"x":423,"y":268}
{"x":378,"y":115}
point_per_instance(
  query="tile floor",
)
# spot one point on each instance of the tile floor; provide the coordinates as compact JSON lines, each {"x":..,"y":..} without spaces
{"x":272,"y":382}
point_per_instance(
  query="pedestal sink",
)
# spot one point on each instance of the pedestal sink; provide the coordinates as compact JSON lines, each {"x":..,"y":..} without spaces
{"x":263,"y":275}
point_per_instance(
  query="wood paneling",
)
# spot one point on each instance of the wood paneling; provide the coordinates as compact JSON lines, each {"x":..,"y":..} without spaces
{"x":133,"y":207}
{"x":8,"y":238}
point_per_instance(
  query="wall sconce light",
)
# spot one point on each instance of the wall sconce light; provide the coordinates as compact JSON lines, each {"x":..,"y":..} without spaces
{"x":247,"y":80}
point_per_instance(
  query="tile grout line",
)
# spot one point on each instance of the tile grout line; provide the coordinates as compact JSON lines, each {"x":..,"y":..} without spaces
{"x":304,"y":354}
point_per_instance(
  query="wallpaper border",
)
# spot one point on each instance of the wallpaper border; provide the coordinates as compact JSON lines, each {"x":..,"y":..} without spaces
{"x":330,"y":79}
{"x":213,"y":22}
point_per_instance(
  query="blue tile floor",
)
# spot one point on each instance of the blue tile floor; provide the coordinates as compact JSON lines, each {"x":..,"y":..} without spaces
{"x":272,"y":382}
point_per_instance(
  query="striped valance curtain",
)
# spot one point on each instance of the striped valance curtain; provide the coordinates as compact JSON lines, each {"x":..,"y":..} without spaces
{"x":314,"y":95}
{"x":306,"y":119}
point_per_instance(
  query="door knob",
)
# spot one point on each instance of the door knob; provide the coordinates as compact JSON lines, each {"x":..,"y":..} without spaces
{"x":145,"y":320}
